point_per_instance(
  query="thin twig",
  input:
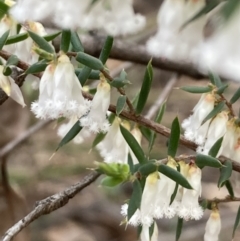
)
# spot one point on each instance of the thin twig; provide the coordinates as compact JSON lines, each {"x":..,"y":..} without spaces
{"x":50,"y":204}
{"x":162,"y":97}
{"x":22,"y":137}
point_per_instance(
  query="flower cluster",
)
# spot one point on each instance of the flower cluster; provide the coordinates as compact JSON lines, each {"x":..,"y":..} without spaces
{"x":156,"y":197}
{"x":115,"y":17}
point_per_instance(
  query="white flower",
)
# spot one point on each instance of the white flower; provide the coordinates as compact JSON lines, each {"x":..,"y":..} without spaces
{"x":60,"y":92}
{"x":213,"y":226}
{"x":193,"y":129}
{"x":145,"y":235}
{"x":8,"y":85}
{"x":114,"y":148}
{"x":189,"y":207}
{"x":65,"y":128}
{"x":96,"y":120}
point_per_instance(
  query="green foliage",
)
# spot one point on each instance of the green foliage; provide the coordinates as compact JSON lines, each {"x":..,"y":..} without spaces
{"x":104,"y":55}
{"x":76,"y":42}
{"x":197,"y":89}
{"x":16,"y":38}
{"x":215,"y":148}
{"x":236,"y":96}
{"x":65,"y":40}
{"x":36,"y":67}
{"x":3,"y":9}
{"x":51,"y":37}
{"x":84,"y":75}
{"x":217,"y":109}
{"x":179,"y":228}
{"x":236,"y":223}
{"x":3,"y":39}
{"x":225,"y":173}
{"x":174,"y":138}
{"x":89,"y":61}
{"x":204,"y":160}
{"x":120,"y":104}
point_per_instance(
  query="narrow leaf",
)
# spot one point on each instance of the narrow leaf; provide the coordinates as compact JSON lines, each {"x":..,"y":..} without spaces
{"x":229,"y":187}
{"x":147,"y":169}
{"x":65,"y":40}
{"x":222,"y":89}
{"x":174,"y":175}
{"x":84,"y":74}
{"x":70,"y":135}
{"x":3,"y":9}
{"x":16,"y":38}
{"x":7,"y":71}
{"x":133,"y":144}
{"x":106,"y":49}
{"x":215,"y":148}
{"x":179,"y":228}
{"x":3,"y":39}
{"x":76,"y":42}
{"x":225,"y":173}
{"x":236,"y":222}
{"x":111,"y":181}
{"x":41,"y":42}
{"x":89,"y":61}
{"x":174,"y":138}
{"x":236,"y":96}
{"x":12,"y":60}
{"x":215,"y":79}
{"x":36,"y":68}
{"x":204,"y":160}
{"x":174,"y":194}
{"x":120,"y":104}
{"x":145,"y":89}
{"x":135,"y":200}
{"x":51,"y":37}
{"x":146,"y":132}
{"x":99,"y":137}
{"x":196,"y":89}
{"x":217,"y":109}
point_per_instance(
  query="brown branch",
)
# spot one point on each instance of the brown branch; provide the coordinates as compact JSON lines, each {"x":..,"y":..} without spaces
{"x":50,"y":204}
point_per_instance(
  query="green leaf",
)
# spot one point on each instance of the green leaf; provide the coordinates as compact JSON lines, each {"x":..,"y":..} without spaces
{"x":89,"y":61}
{"x":3,"y":39}
{"x":7,"y":71}
{"x":94,"y":75}
{"x":16,"y":38}
{"x":229,"y":8}
{"x":151,"y":230}
{"x":229,"y":187}
{"x":135,"y":200}
{"x":204,"y":160}
{"x":196,"y":89}
{"x":119,"y":83}
{"x":174,"y":175}
{"x":130,"y":163}
{"x":174,"y":138}
{"x":174,"y":194}
{"x":3,"y":9}
{"x":215,"y":148}
{"x":217,"y":109}
{"x":235,"y":97}
{"x":41,"y":42}
{"x":236,"y":223}
{"x":84,"y":74}
{"x":133,"y":144}
{"x":146,"y":132}
{"x":215,"y":79}
{"x":111,"y":181}
{"x":70,"y":135}
{"x":225,"y":173}
{"x":145,"y":89}
{"x":76,"y":42}
{"x":12,"y":60}
{"x":120,"y":104}
{"x":51,"y":37}
{"x":36,"y":68}
{"x":65,"y":40}
{"x":99,"y":137}
{"x":104,"y":55}
{"x":222,"y":89}
{"x":179,"y":228}
{"x":148,"y":168}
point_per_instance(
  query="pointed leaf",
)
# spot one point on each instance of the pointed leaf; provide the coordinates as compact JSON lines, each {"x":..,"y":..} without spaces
{"x":133,"y":144}
{"x":146,"y":132}
{"x":217,"y":109}
{"x":3,"y":39}
{"x":145,"y":89}
{"x":3,"y":9}
{"x":229,"y":8}
{"x":179,"y":228}
{"x":36,"y":68}
{"x":215,"y":148}
{"x":7,"y":71}
{"x":99,"y":137}
{"x":16,"y":38}
{"x":215,"y":79}
{"x":41,"y":42}
{"x":196,"y":89}
{"x":174,"y":175}
{"x":12,"y":60}
{"x":174,"y":194}
{"x":70,"y":135}
{"x":76,"y":42}
{"x":204,"y":160}
{"x":135,"y":200}
{"x":89,"y":61}
{"x":174,"y":138}
{"x":119,"y":83}
{"x":130,"y":163}
{"x":235,"y":97}
{"x":104,"y":55}
{"x":222,"y":89}
{"x":237,"y":220}
{"x":111,"y":181}
{"x":151,"y":230}
{"x":148,"y":168}
{"x":51,"y":37}
{"x":225,"y":173}
{"x":120,"y":104}
{"x":229,"y":187}
{"x":84,"y":74}
{"x":65,"y":40}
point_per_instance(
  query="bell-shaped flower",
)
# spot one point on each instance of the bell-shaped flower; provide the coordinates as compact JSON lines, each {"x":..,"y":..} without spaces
{"x":189,"y":207}
{"x":96,"y":120}
{"x":192,"y":125}
{"x":60,"y":92}
{"x":8,"y":85}
{"x":213,"y":226}
{"x":65,"y":128}
{"x":145,"y":234}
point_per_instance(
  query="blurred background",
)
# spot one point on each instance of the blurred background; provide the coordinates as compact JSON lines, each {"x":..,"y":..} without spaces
{"x":27,"y":174}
